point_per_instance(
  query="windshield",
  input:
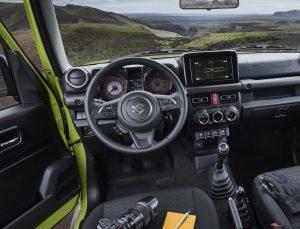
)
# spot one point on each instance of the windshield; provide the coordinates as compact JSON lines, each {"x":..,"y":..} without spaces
{"x":106,"y":29}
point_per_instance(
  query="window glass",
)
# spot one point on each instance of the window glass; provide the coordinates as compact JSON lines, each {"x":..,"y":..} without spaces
{"x":93,"y":31}
{"x":13,"y":15}
{"x":5,"y":101}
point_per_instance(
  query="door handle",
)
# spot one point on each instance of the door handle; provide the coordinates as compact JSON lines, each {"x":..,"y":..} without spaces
{"x":10,"y":138}
{"x":10,"y":142}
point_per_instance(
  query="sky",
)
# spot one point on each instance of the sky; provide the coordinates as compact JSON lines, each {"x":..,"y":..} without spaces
{"x":172,"y":6}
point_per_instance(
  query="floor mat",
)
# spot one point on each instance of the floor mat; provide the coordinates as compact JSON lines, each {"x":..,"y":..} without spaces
{"x":182,"y":173}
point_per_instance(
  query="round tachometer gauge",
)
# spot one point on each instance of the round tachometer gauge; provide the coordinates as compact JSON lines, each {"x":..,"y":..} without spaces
{"x":113,"y":86}
{"x":157,"y":83}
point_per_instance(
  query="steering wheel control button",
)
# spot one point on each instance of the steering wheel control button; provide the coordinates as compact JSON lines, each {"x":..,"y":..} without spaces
{"x":167,"y":104}
{"x":119,"y":130}
{"x":108,"y":112}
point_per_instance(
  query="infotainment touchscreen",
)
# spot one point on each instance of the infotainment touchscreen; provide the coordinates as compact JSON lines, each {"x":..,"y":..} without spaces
{"x":211,"y":70}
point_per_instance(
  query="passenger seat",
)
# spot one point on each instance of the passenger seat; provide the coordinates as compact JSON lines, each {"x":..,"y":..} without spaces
{"x":276,"y":198}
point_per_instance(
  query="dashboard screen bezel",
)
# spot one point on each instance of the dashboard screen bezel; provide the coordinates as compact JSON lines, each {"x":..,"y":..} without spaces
{"x":231,"y":56}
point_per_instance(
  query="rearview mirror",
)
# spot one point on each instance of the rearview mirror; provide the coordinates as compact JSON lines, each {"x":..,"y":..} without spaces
{"x":209,"y":4}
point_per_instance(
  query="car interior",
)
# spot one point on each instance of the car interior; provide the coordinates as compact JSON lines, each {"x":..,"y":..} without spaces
{"x":207,"y":133}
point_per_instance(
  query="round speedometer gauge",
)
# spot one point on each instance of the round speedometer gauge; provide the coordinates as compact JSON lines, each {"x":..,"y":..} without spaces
{"x":113,"y":86}
{"x":157,"y":83}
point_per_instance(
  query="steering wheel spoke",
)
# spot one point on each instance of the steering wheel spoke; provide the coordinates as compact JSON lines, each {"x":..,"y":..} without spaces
{"x":104,"y":112}
{"x":143,"y":140}
{"x":169,"y":102}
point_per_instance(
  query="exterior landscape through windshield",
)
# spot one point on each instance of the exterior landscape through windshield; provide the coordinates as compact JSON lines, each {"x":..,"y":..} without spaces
{"x":107,"y":29}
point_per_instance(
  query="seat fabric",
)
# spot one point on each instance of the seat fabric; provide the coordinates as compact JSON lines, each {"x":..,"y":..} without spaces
{"x":180,"y":200}
{"x":268,"y":208}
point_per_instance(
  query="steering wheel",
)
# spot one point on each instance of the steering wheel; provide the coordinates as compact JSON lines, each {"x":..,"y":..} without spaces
{"x":136,"y":113}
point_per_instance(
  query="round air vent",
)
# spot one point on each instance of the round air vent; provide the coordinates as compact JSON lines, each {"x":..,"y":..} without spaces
{"x":77,"y":78}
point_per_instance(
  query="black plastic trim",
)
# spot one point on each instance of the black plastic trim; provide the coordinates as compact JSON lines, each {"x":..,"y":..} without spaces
{"x":49,"y":202}
{"x":37,"y":11}
{"x":267,"y":83}
{"x":271,"y":102}
{"x":214,"y":88}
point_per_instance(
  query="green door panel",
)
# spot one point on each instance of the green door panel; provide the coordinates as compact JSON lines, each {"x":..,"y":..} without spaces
{"x":62,"y":116}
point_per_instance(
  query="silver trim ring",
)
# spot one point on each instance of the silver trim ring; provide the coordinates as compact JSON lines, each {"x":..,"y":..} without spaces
{"x":87,"y":77}
{"x":215,"y":113}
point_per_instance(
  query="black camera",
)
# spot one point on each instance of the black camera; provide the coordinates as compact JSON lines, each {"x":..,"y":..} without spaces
{"x":140,"y":216}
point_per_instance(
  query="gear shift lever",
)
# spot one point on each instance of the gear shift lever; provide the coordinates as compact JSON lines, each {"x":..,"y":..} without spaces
{"x":223,"y":151}
{"x":219,"y":181}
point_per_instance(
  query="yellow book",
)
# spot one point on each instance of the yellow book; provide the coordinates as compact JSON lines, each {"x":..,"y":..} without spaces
{"x":172,"y":219}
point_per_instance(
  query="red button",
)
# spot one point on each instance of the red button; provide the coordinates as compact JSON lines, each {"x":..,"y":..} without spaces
{"x":214,"y":99}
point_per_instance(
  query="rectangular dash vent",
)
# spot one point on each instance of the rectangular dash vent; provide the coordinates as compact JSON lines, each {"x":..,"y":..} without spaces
{"x":229,"y":97}
{"x":201,"y":100}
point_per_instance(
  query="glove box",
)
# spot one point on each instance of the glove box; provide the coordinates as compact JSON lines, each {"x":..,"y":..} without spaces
{"x":274,"y":113}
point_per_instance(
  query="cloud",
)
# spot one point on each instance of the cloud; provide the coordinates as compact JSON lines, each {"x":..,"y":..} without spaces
{"x":172,"y":6}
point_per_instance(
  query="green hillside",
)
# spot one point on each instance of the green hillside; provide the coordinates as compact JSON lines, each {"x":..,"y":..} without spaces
{"x":14,"y":16}
{"x":105,"y":40}
{"x":87,"y":33}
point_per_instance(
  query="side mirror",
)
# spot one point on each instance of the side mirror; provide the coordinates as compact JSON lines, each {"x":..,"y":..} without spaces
{"x":7,"y":87}
{"x":209,"y":4}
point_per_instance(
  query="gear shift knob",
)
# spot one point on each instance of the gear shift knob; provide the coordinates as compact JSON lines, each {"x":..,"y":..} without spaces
{"x":223,"y":151}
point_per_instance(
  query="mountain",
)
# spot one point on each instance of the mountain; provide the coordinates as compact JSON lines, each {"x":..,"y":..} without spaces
{"x":14,"y":17}
{"x":288,"y":14}
{"x":71,"y":14}
{"x":89,"y":33}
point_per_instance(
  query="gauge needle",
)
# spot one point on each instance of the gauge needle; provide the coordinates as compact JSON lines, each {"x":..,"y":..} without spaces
{"x":186,"y":215}
{"x":113,"y":89}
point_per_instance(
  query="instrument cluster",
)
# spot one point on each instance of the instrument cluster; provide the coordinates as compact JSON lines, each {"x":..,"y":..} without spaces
{"x":118,"y":83}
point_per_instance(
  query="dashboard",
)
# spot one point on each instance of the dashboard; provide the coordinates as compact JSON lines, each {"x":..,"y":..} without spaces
{"x":226,"y":91}
{"x":121,"y":81}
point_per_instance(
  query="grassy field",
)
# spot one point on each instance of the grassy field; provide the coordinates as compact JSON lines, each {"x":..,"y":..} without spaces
{"x":108,"y":41}
{"x":89,"y":42}
{"x":259,"y":32}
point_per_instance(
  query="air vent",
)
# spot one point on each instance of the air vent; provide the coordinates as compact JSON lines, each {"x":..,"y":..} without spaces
{"x":226,"y":98}
{"x":77,"y":78}
{"x":203,"y":100}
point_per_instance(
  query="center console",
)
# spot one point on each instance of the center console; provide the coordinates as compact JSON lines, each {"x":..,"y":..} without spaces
{"x":212,"y":82}
{"x":215,"y":107}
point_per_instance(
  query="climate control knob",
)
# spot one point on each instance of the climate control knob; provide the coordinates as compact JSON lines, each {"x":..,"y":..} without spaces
{"x":201,"y":117}
{"x":217,"y":116}
{"x":232,"y":113}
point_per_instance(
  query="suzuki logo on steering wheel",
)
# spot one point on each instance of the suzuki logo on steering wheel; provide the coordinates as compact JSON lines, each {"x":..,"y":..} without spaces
{"x":138,"y":108}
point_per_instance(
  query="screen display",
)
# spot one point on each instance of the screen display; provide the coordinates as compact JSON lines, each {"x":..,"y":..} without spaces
{"x":211,"y":70}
